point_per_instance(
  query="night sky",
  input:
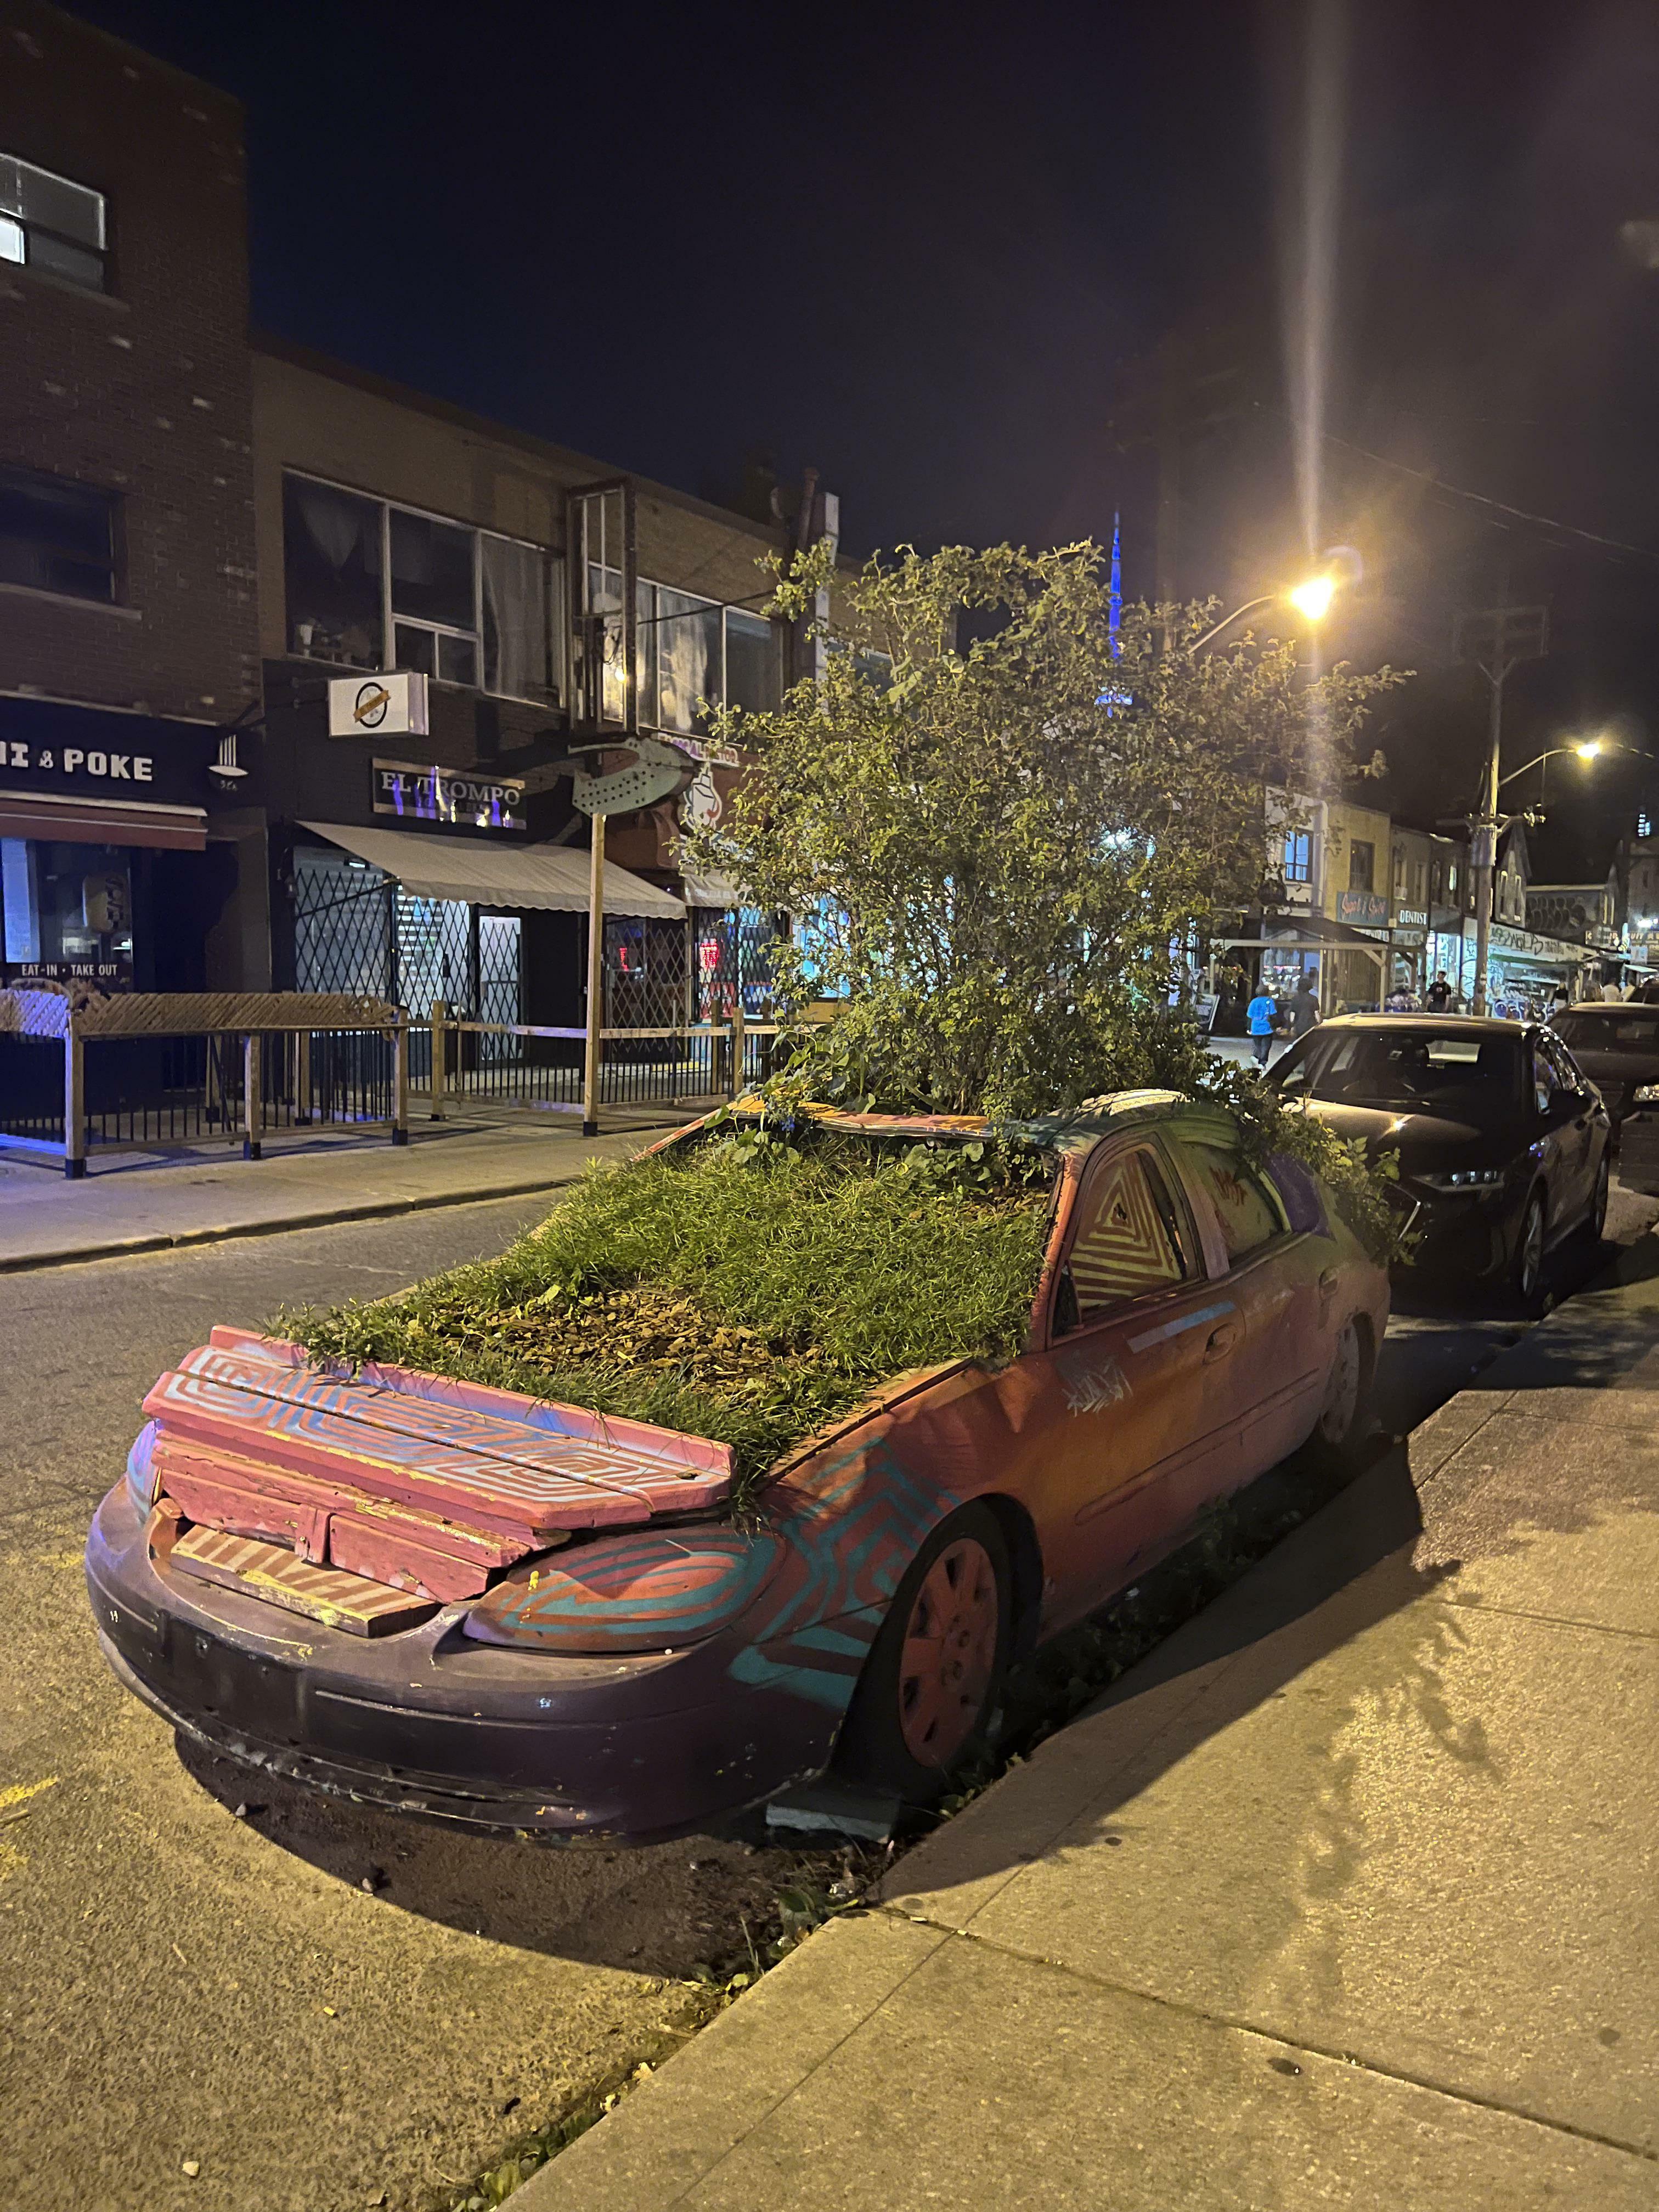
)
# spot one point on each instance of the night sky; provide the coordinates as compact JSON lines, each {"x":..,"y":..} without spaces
{"x":928,"y":250}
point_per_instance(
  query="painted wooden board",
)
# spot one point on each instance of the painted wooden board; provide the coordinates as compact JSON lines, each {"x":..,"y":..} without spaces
{"x":687,"y":1456}
{"x":266,"y":1571}
{"x":179,"y":1462}
{"x":314,"y":1439}
{"x":206,"y":1496}
{"x":463,"y":1427}
{"x":394,"y":1557}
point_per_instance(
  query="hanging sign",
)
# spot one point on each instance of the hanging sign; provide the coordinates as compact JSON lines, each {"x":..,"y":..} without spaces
{"x":393,"y":705}
{"x":422,"y":792}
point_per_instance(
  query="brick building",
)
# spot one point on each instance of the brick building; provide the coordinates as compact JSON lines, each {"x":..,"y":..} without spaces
{"x":128,"y":635}
{"x":398,"y":533}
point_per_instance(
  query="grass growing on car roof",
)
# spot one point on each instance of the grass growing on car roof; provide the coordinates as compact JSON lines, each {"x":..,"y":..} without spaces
{"x":741,"y":1287}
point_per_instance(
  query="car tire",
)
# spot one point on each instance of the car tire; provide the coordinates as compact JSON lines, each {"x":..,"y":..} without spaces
{"x":1345,"y":1418}
{"x":933,"y":1683}
{"x":1527,"y":1266}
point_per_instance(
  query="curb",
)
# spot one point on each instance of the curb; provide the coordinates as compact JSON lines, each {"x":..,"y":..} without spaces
{"x":128,"y":1247}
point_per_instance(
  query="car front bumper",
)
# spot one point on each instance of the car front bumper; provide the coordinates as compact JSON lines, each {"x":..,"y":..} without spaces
{"x":1471,"y":1235}
{"x":429,"y":1721}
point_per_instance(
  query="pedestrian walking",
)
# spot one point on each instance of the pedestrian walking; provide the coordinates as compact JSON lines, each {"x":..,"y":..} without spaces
{"x":1439,"y":994}
{"x":1304,"y":1007}
{"x":1262,"y":1013}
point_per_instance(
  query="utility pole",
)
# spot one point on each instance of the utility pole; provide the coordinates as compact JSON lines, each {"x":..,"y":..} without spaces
{"x":1495,"y":639}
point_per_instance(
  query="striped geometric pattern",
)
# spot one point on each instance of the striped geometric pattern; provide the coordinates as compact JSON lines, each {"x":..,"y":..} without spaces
{"x":1122,"y":1250}
{"x":264,"y":1570}
{"x":422,"y":1486}
{"x":641,"y":1592}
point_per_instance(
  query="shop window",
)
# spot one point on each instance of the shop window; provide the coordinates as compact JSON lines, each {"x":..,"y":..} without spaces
{"x":46,"y":222}
{"x":465,"y":606}
{"x":1298,"y":857}
{"x":520,"y":634}
{"x":56,"y":536}
{"x":751,"y":662}
{"x":1361,"y":865}
{"x":333,"y":573}
{"x":66,"y":911}
{"x":690,"y":663}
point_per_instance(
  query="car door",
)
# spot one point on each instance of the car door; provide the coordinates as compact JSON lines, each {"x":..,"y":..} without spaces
{"x":1566,"y":1110}
{"x":1282,"y":1284}
{"x":1131,"y":1387}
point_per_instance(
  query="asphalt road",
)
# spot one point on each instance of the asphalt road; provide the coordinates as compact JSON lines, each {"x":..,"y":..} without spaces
{"x":315,"y":2003}
{"x":178,"y":1983}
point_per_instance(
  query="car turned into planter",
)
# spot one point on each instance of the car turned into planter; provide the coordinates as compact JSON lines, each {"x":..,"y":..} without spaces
{"x":433,"y":1595}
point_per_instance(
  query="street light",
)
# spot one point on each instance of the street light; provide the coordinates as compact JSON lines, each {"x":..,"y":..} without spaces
{"x":1311,"y":598}
{"x":1587,"y":749}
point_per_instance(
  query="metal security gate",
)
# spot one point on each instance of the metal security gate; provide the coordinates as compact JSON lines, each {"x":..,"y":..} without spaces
{"x":357,"y":929}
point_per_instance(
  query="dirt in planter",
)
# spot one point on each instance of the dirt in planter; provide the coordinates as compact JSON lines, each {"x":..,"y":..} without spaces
{"x":643,"y":1326}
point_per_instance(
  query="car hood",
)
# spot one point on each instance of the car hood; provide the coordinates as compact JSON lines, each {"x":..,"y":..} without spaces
{"x":1423,"y":1141}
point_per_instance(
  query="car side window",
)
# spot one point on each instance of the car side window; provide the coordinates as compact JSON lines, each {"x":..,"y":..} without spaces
{"x":1131,"y":1238}
{"x":1243,"y":1204}
{"x":1565,"y":1067}
{"x":1543,"y":1077}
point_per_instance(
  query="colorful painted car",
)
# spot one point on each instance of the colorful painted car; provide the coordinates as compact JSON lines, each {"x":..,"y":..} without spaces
{"x":430,"y":1596}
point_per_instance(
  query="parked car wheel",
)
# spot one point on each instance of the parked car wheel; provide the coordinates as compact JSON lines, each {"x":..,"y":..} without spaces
{"x":934,"y":1676}
{"x":1345,"y":1418}
{"x":1527,"y":1268}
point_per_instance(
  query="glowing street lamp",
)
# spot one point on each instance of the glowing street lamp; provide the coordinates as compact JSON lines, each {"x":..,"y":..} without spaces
{"x":1311,"y":598}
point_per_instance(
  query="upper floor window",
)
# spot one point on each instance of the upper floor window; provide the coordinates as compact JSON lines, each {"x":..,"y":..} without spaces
{"x":56,"y":536}
{"x":1298,"y":857}
{"x":466,"y":606}
{"x":690,"y":653}
{"x":1362,"y":864}
{"x":47,"y":222}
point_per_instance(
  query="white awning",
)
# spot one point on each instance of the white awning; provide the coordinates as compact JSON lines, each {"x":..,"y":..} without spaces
{"x":480,"y":871}
{"x":718,"y":892}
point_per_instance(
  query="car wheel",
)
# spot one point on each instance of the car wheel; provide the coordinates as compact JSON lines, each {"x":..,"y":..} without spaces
{"x":933,"y":1679}
{"x":1345,"y":1418}
{"x":1527,"y":1268}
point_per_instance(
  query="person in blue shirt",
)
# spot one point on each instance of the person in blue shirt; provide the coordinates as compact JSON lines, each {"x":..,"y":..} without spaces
{"x":1262,"y":1013}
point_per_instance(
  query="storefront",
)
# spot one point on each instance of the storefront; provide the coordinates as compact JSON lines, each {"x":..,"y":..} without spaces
{"x":420,"y":917}
{"x":106,"y":876}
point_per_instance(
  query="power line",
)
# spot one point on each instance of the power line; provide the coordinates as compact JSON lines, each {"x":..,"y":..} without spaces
{"x":1498,"y":506}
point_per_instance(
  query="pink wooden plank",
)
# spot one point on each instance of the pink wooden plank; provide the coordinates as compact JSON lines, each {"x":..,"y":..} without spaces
{"x":178,"y":1458}
{"x":207,"y":1496}
{"x":699,"y":1468}
{"x":276,"y":1348}
{"x":392,"y":1556}
{"x":262,"y":1570}
{"x":686,"y":1454}
{"x":312,"y":1441}
{"x":462,"y":1428}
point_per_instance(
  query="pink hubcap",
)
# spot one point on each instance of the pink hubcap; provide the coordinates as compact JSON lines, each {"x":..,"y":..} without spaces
{"x":950,"y":1653}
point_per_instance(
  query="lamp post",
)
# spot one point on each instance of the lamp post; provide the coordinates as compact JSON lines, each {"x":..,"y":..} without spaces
{"x":1590,"y":749}
{"x":1496,"y":639}
{"x":1311,"y":598}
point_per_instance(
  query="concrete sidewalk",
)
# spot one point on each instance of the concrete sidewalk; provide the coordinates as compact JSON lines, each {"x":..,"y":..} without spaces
{"x":1345,"y":1897}
{"x":147,"y":1201}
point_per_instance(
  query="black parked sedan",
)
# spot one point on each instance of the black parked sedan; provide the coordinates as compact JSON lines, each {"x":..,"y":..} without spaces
{"x":1617,"y":1048}
{"x":1503,"y":1141}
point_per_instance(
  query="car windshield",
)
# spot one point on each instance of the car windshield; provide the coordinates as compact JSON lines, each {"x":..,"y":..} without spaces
{"x":1634,"y":1032}
{"x":1427,"y":1071}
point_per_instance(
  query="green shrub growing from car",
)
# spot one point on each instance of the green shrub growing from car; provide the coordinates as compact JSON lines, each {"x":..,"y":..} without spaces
{"x":746,"y":1287}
